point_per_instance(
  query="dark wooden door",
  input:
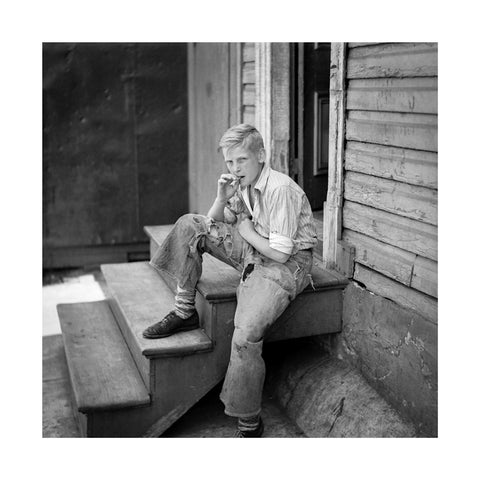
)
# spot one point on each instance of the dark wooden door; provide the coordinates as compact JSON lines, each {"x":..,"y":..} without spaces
{"x":316,"y":121}
{"x":115,"y":146}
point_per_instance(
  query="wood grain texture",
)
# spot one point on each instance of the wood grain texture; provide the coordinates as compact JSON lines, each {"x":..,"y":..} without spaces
{"x":101,"y":367}
{"x":248,"y":115}
{"x":333,"y":212}
{"x":209,"y":99}
{"x":248,"y":95}
{"x":248,"y":51}
{"x":248,"y":72}
{"x":405,"y":233}
{"x":219,"y":281}
{"x":404,"y":267}
{"x":410,"y":201}
{"x":143,"y":299}
{"x":313,"y":315}
{"x":409,"y":166}
{"x":393,"y":60}
{"x":411,"y":95}
{"x":425,"y":276}
{"x":407,"y":297}
{"x":407,"y":130}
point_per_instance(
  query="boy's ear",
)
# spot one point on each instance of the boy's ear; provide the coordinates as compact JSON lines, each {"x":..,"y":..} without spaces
{"x":262,"y":155}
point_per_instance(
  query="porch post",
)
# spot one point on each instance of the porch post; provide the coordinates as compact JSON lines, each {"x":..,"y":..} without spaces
{"x":332,"y":226}
{"x":272,"y":101}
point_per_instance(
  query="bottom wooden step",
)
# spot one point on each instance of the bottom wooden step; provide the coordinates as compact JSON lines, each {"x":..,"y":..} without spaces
{"x":103,"y":375}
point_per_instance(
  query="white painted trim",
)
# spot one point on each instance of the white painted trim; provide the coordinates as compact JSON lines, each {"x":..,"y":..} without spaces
{"x":332,"y":226}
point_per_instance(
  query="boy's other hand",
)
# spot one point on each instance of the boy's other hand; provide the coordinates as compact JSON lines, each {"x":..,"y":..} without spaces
{"x":245,"y":226}
{"x":227,"y":186}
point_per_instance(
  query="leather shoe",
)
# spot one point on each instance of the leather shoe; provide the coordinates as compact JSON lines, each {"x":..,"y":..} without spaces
{"x":171,"y":324}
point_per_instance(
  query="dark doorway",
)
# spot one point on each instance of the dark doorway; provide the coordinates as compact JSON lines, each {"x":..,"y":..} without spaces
{"x":310,"y":107}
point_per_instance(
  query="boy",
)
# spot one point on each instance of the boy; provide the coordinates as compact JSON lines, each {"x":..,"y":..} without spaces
{"x":261,"y":223}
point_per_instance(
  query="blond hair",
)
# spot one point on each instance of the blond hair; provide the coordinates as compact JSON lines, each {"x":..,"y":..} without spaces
{"x":244,"y":135}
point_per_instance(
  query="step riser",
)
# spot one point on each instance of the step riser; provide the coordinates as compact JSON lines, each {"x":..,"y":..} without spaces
{"x":198,"y":370}
{"x":308,"y":315}
{"x":325,"y":303}
{"x":142,"y":363}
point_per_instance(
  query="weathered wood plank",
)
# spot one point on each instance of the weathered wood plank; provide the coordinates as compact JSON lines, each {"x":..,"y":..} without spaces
{"x":332,"y":207}
{"x":248,"y":72}
{"x":411,"y":95}
{"x":249,"y":115}
{"x":408,"y":130}
{"x":402,"y":232}
{"x":381,"y":257}
{"x":248,"y":50}
{"x":410,"y":166}
{"x":410,"y":201}
{"x":102,"y":370}
{"x":425,"y":276}
{"x":400,"y":265}
{"x":407,"y":297}
{"x":209,"y":80}
{"x":362,"y":44}
{"x":393,"y":60}
{"x":248,"y":95}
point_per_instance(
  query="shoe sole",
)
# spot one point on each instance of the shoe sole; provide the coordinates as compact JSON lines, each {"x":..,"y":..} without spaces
{"x":177,"y":330}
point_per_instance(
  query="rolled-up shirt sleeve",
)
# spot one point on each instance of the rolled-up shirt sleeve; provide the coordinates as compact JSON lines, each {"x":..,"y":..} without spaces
{"x":284,"y":219}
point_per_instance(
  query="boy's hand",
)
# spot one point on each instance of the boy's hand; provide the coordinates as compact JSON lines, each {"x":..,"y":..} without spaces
{"x":227,"y":186}
{"x":245,"y":226}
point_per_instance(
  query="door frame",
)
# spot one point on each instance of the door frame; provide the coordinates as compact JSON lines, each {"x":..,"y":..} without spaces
{"x":333,"y":252}
{"x":273,"y":96}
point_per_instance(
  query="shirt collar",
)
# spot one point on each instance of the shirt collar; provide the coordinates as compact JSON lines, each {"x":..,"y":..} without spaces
{"x":263,"y":178}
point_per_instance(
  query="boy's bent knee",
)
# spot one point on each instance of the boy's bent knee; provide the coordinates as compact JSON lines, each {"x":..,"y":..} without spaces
{"x":192,"y":218}
{"x":248,"y":335}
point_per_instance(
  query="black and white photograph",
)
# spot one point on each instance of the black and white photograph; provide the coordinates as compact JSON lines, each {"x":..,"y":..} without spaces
{"x":241,"y":238}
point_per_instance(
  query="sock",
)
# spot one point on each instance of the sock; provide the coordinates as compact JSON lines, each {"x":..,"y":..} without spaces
{"x":248,"y":424}
{"x":184,"y":302}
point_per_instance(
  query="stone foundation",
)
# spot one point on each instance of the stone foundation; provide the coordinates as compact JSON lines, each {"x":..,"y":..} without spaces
{"x":396,"y":351}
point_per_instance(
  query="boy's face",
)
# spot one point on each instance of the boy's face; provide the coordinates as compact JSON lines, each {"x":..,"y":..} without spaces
{"x":245,"y":164}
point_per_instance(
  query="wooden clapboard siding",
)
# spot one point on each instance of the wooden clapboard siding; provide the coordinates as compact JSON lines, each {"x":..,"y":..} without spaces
{"x":405,"y":267}
{"x":405,"y":296}
{"x":393,"y":60}
{"x":425,"y":276}
{"x":405,"y":233}
{"x":410,"y":95}
{"x":408,"y":130}
{"x":390,"y":185}
{"x":410,"y":201}
{"x":386,"y":259}
{"x":410,"y":166}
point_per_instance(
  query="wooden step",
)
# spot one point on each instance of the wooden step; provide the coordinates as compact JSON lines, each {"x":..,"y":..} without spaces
{"x":139,"y":298}
{"x":109,"y":394}
{"x":219,"y":281}
{"x":103,"y":375}
{"x":316,"y":311}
